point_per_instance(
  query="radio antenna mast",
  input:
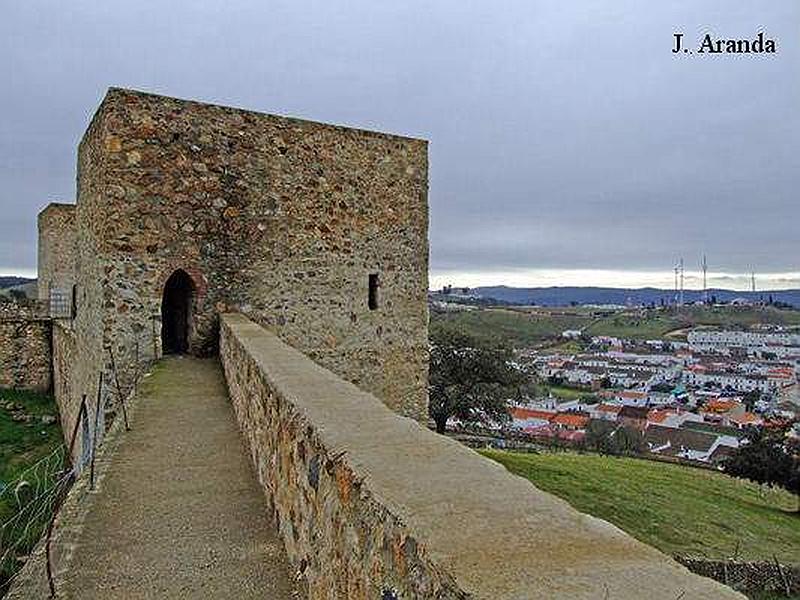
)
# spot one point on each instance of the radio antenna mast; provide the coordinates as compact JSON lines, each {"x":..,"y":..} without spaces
{"x":705,"y":280}
{"x":675,"y":268}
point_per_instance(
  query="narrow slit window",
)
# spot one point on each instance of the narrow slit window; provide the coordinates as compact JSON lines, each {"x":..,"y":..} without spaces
{"x":373,"y":291}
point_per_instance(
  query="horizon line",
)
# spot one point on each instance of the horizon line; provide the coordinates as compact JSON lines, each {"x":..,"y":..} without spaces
{"x":583,"y":278}
{"x":614,"y":278}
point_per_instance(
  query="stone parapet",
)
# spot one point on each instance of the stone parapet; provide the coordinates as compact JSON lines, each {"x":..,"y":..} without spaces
{"x":374,"y":505}
{"x":25,"y":352}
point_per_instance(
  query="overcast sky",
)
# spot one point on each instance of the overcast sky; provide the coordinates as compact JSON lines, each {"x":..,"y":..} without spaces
{"x":568,"y":144}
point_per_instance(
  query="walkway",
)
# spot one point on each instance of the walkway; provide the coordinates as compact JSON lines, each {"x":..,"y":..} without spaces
{"x":180,"y":514}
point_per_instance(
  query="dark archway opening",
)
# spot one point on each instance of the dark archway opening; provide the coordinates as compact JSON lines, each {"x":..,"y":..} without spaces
{"x":176,"y":313}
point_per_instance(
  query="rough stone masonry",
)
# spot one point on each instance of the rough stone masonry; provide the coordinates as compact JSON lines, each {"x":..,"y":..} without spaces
{"x":25,"y":357}
{"x":185,"y":210}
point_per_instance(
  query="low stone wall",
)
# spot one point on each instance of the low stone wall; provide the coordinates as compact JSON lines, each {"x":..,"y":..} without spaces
{"x":67,"y":399}
{"x":74,"y":376}
{"x":748,"y":576}
{"x":24,"y":348}
{"x":374,"y":505}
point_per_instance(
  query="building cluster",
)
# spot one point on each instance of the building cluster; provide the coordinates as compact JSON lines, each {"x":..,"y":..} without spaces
{"x":692,"y":400}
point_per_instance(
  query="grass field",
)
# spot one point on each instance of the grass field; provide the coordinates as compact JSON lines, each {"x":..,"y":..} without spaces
{"x":22,"y":444}
{"x":515,"y":326}
{"x":525,"y":327}
{"x":680,"y":510}
{"x":562,"y":392}
{"x":24,"y":512}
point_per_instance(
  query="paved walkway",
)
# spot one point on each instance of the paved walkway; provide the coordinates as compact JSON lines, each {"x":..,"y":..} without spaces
{"x":179,"y":514}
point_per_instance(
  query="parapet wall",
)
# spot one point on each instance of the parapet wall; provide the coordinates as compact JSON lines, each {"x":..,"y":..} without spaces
{"x":373,"y":505}
{"x":24,"y":348}
{"x":75,"y":375}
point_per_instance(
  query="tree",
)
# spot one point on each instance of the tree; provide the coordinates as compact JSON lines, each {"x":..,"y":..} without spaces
{"x":663,"y":387}
{"x":606,"y":437}
{"x":598,"y":434}
{"x":750,"y":398}
{"x":470,"y":379}
{"x":628,"y":440}
{"x":767,"y":457}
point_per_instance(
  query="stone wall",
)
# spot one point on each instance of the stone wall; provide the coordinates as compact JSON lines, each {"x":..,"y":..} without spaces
{"x":56,"y":247}
{"x":749,"y":576}
{"x":280,"y":218}
{"x":373,"y":505}
{"x":69,"y":391}
{"x":25,"y":352}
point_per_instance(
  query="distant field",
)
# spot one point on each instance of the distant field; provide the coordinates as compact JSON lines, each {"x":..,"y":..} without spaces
{"x":518,"y":327}
{"x":27,"y":286}
{"x":680,"y":510}
{"x":562,"y":392}
{"x":524,"y":327}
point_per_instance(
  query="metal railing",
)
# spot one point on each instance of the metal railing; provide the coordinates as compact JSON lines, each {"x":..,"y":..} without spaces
{"x":29,"y":502}
{"x":34,"y":499}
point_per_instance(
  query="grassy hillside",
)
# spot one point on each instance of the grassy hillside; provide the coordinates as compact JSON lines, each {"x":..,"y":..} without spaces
{"x":524,"y":327}
{"x":519,"y":327}
{"x":21,"y":284}
{"x":680,"y":510}
{"x":24,"y":512}
{"x":21,"y":443}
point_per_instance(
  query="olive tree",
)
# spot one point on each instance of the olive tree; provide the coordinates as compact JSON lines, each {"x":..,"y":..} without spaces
{"x":470,"y":378}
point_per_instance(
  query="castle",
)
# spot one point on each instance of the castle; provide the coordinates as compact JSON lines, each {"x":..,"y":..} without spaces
{"x":186,"y":210}
{"x":296,"y":252}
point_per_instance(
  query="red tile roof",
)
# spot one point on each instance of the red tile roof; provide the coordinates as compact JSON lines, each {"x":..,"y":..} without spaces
{"x":523,"y":414}
{"x":660,"y":415}
{"x":720,"y":405}
{"x":576,"y":420}
{"x":746,"y":418}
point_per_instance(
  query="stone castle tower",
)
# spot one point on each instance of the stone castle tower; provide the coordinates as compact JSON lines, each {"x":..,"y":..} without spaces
{"x":186,"y":210}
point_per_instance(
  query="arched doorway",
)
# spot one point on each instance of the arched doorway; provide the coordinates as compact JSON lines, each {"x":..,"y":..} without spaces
{"x":176,"y":313}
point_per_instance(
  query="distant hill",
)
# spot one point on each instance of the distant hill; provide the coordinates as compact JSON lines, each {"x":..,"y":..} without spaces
{"x":564,"y":296}
{"x":23,"y":284}
{"x":7,"y":281}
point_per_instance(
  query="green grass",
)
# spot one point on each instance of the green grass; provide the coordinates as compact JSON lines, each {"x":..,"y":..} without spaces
{"x":630,"y":325}
{"x":657,"y":324}
{"x":563,"y":392}
{"x":22,"y":444}
{"x":519,"y":328}
{"x":525,"y":327}
{"x":680,"y":510}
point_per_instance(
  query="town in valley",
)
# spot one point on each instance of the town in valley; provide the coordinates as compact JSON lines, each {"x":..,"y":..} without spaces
{"x":690,"y":395}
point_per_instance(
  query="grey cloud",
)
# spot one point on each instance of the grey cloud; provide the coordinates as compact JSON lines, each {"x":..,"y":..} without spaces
{"x":563,"y":135}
